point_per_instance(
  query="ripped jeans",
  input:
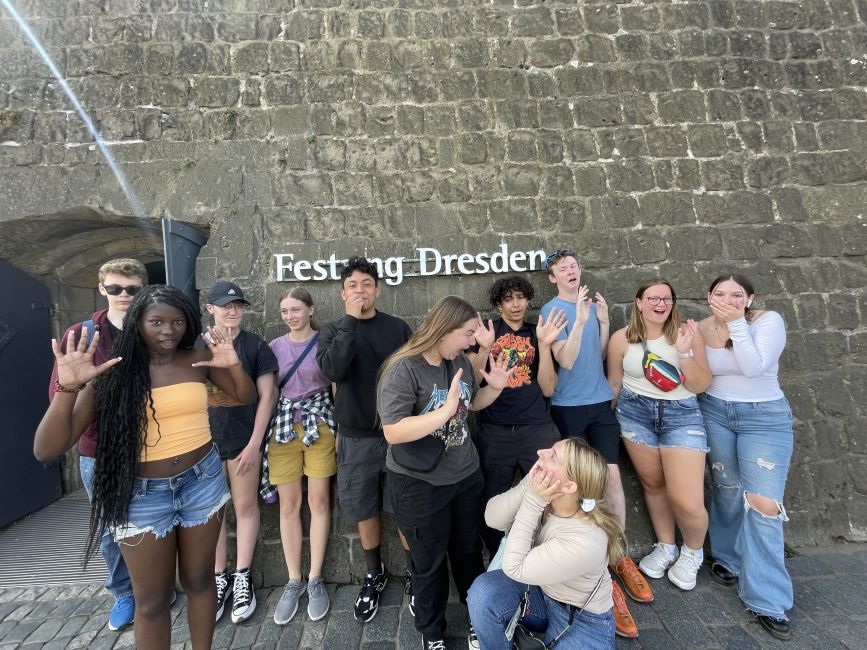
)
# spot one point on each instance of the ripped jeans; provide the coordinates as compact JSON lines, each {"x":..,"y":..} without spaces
{"x":750,"y":449}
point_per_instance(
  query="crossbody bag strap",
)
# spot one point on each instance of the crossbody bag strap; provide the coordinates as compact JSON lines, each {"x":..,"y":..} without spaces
{"x":572,"y":612}
{"x":297,"y":363}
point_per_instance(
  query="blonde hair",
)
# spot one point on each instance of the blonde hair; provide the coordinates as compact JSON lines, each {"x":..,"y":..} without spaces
{"x":445,"y":316}
{"x":299,"y":293}
{"x":635,"y":330}
{"x":125,"y":266}
{"x":587,"y":469}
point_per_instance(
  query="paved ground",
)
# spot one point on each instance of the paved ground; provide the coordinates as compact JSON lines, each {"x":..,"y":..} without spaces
{"x":830,"y":612}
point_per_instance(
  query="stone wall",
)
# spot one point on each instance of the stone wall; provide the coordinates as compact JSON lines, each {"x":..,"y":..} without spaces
{"x":659,"y":138}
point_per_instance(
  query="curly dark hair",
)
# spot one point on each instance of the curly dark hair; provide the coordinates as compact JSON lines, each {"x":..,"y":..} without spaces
{"x":502,"y":288}
{"x":122,"y":397}
{"x":361,"y":265}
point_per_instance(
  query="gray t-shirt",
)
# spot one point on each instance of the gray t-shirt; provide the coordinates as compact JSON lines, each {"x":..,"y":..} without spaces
{"x":414,"y":387}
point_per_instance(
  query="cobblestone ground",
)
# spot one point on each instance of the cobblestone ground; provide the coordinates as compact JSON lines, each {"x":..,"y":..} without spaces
{"x":830,"y":612}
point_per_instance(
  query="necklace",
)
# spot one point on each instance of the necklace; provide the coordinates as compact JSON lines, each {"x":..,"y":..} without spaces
{"x":551,"y":512}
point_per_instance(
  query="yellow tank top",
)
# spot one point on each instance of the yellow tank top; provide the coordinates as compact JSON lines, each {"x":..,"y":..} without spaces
{"x":181,"y":422}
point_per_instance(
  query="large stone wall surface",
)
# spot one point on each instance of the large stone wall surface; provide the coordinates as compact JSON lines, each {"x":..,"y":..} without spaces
{"x":679,"y":139}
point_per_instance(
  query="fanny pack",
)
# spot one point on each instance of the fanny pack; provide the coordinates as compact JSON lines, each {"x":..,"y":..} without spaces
{"x":660,"y":372}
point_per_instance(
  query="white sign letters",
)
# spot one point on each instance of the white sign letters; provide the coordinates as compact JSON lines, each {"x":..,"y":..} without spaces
{"x":429,"y":261}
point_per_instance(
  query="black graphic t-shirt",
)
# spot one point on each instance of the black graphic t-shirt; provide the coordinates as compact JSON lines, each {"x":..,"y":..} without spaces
{"x":414,"y":387}
{"x":521,"y":401}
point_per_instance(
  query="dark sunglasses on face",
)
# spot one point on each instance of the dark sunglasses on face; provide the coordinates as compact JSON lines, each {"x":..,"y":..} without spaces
{"x":560,"y":252}
{"x":116,"y":289}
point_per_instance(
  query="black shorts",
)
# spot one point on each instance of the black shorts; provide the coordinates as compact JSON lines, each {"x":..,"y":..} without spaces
{"x":360,"y":473}
{"x":594,"y":423}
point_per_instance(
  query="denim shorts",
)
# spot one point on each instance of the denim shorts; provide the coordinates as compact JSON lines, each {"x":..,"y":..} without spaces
{"x":657,"y":423}
{"x":187,"y":499}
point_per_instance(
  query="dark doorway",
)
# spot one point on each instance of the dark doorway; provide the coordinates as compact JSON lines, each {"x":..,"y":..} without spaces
{"x":25,"y":363}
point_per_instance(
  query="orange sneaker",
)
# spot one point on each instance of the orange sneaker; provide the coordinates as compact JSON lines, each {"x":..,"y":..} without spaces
{"x":634,"y":584}
{"x":624,"y":624}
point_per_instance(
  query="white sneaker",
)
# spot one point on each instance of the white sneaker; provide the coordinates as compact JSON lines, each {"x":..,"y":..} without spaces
{"x":656,"y":563}
{"x":683,"y":572}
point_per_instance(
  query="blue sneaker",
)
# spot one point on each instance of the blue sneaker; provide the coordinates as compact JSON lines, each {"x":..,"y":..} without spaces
{"x":122,"y":614}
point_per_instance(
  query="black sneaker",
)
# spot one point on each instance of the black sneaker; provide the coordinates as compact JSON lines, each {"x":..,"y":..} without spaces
{"x":367,"y":602}
{"x":223,"y":591}
{"x":722,"y":575}
{"x":778,"y":627}
{"x":407,"y":590}
{"x":243,"y":597}
{"x":432,"y":644}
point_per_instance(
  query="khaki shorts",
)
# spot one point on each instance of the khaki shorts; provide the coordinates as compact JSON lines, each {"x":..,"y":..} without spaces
{"x":288,"y":461}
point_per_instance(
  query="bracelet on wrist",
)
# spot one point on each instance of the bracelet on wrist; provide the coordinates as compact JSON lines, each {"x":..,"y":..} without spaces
{"x":685,"y":355}
{"x":60,"y":388}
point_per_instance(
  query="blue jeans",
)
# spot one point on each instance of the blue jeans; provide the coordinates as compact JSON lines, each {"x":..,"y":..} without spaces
{"x":494,"y":597}
{"x":652,"y":422}
{"x":117,"y":582}
{"x":750,"y":449}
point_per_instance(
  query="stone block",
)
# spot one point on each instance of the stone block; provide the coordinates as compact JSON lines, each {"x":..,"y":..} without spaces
{"x":734,"y":207}
{"x":695,"y":243}
{"x":597,"y":111}
{"x":535,"y":21}
{"x":551,"y":53}
{"x":457,"y":86}
{"x":666,"y":208}
{"x":282,"y":89}
{"x":723,"y":105}
{"x":561,"y":215}
{"x":635,"y":175}
{"x":707,"y":140}
{"x":333,"y":87}
{"x":302,"y":189}
{"x":521,"y":180}
{"x":615,"y":211}
{"x":557,"y":180}
{"x":725,"y":174}
{"x":595,"y":48}
{"x":666,"y":141}
{"x":590,"y":180}
{"x":216,"y":91}
{"x":681,"y":106}
{"x":637,"y":109}
{"x":647,"y":247}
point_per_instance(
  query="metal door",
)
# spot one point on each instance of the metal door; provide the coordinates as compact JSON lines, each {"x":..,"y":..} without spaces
{"x":25,"y":367}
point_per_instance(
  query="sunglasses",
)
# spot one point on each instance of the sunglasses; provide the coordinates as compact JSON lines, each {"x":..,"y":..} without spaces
{"x":557,"y":254}
{"x":117,"y":289}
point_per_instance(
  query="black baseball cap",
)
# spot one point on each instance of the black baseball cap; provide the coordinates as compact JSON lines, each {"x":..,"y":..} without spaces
{"x":224,"y":292}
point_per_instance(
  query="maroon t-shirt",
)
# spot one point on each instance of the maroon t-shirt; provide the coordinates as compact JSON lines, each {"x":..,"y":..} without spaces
{"x":87,"y":442}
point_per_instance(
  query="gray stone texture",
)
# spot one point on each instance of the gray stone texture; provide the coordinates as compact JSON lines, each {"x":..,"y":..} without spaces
{"x":681,"y":139}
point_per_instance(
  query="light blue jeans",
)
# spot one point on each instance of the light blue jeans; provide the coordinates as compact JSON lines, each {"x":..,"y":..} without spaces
{"x":117,"y":582}
{"x":750,"y":449}
{"x":494,"y":597}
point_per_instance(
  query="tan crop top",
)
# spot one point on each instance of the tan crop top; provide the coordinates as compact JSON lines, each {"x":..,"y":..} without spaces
{"x":182,"y":414}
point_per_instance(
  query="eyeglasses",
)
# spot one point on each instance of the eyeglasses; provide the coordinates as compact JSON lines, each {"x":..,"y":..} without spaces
{"x":117,"y":289}
{"x":655,"y":300}
{"x":557,"y":254}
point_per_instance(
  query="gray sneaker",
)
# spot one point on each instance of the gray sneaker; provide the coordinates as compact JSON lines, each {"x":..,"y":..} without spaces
{"x":318,"y":601}
{"x":288,"y":604}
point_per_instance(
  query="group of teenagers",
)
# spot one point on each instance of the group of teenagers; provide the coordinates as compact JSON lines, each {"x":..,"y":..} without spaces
{"x":172,"y":422}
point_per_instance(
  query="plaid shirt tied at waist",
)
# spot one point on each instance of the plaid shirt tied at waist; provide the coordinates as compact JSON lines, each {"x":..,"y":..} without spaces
{"x":316,"y":407}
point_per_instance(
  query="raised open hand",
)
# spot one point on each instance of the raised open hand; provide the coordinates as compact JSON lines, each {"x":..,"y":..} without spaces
{"x":499,"y":373}
{"x":601,"y":309}
{"x":685,"y":335}
{"x":582,"y":308}
{"x":75,"y":366}
{"x":484,"y":335}
{"x":222,"y":349}
{"x":453,"y":399}
{"x":547,"y":331}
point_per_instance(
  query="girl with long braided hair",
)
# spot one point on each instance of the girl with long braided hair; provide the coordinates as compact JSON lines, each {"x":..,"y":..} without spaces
{"x":158,"y":483}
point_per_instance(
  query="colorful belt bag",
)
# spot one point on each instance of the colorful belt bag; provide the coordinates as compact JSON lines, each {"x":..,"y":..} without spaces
{"x":660,"y":372}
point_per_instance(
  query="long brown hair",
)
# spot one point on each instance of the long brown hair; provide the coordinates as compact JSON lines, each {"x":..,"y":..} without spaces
{"x":635,"y":330}
{"x":587,"y":469}
{"x":446,"y":315}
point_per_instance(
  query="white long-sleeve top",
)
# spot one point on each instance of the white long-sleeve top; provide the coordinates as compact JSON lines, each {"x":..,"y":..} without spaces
{"x":748,"y":372}
{"x":565,"y":558}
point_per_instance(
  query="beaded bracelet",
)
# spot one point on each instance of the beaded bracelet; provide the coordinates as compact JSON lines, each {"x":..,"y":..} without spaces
{"x":60,"y":388}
